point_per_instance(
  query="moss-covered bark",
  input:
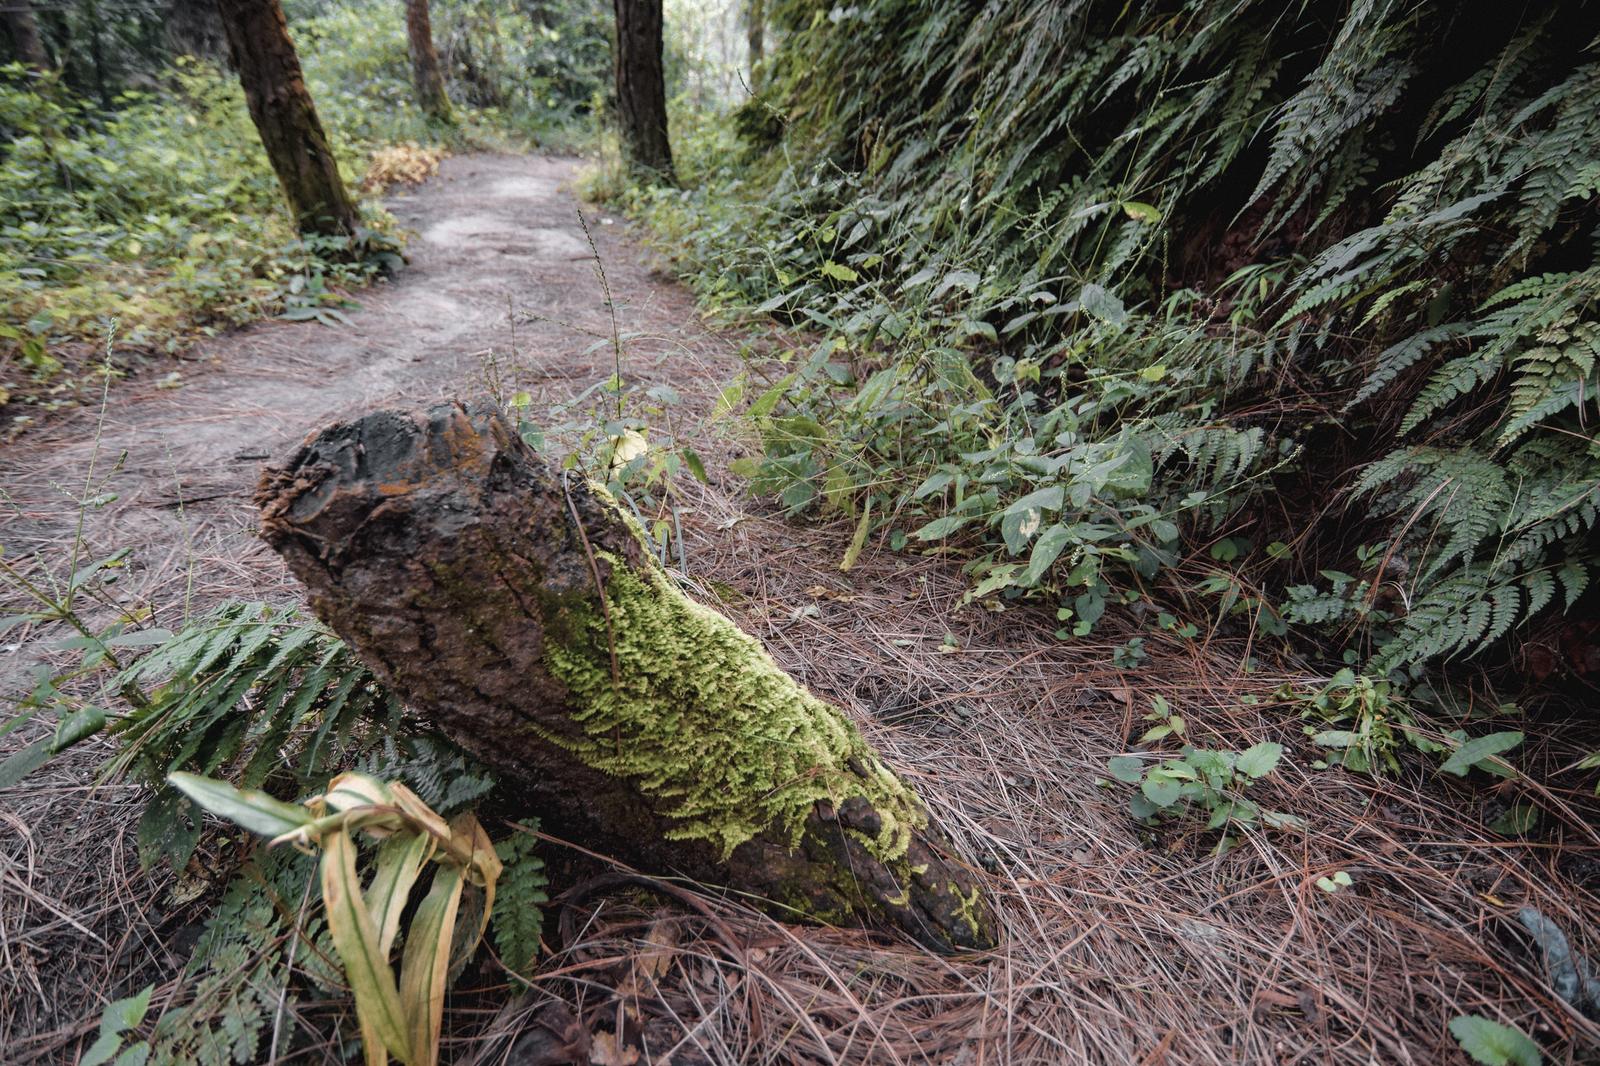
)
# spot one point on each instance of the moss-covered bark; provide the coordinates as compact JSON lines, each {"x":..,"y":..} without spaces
{"x":515,"y":607}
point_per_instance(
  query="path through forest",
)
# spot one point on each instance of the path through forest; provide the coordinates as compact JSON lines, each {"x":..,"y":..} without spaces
{"x":1119,"y":946}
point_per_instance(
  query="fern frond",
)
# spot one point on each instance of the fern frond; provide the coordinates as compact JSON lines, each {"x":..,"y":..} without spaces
{"x":518,"y":919}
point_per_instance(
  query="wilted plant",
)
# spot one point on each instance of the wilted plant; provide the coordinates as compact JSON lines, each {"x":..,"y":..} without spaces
{"x":398,"y":1016}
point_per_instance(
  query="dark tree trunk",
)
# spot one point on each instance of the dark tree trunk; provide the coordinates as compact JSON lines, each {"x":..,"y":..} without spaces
{"x":642,"y":88}
{"x":194,"y":29}
{"x":97,"y":55}
{"x":275,"y":89}
{"x":24,"y":30}
{"x":426,"y":73}
{"x":517,"y":610}
{"x":755,"y":26}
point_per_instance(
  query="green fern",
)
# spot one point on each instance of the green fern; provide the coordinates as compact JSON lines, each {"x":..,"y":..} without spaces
{"x":240,"y":968}
{"x":518,"y":919}
{"x":251,"y":689}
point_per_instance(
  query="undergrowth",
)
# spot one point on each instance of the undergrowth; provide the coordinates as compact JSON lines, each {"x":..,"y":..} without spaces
{"x":156,"y":208}
{"x":1284,"y":319}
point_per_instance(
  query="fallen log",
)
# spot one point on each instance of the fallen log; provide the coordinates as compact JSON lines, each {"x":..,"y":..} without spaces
{"x":516,"y":608}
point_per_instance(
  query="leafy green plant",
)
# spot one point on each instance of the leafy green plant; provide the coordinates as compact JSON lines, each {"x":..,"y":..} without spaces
{"x":1361,"y":723}
{"x":1210,"y":783}
{"x":1481,"y":753}
{"x":1494,"y":1044}
{"x":1027,"y":358}
{"x":120,"y":1017}
{"x":1167,"y":722}
{"x":401,"y":1016}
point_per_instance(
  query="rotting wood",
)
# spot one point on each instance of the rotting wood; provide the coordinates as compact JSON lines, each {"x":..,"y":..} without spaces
{"x":518,"y":611}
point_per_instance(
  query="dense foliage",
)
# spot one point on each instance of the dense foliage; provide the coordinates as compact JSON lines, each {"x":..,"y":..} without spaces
{"x":147,"y":212}
{"x":1290,"y":305}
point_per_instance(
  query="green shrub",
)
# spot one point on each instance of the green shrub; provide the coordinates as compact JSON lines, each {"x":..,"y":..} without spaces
{"x":1106,"y":289}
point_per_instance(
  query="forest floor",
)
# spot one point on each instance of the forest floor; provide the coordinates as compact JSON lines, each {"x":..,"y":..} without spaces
{"x":1122,"y":946}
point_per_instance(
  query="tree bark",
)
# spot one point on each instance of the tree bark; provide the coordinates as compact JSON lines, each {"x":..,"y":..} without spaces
{"x":24,"y":30}
{"x":516,"y":608}
{"x":275,"y":89}
{"x":426,"y":74}
{"x":642,"y":89}
{"x":755,"y":26}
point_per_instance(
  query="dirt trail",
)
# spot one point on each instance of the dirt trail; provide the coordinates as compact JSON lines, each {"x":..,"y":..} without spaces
{"x":1122,"y":946}
{"x":496,"y":237}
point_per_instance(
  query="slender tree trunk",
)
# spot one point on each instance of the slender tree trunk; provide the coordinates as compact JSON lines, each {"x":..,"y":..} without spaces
{"x":755,"y":26}
{"x":517,"y":609}
{"x":642,"y":88}
{"x":426,"y":73}
{"x":97,"y":55}
{"x":193,"y":28}
{"x":275,"y":89}
{"x":24,"y":30}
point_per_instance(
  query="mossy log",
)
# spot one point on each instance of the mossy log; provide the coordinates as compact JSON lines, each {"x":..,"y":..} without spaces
{"x":515,"y":607}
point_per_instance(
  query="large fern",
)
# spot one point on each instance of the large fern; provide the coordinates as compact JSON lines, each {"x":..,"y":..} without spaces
{"x":255,"y":690}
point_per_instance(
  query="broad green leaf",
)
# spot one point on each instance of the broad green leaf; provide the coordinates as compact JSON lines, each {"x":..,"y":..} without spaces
{"x":1494,"y":1044}
{"x":1142,"y":808}
{"x":20,"y":764}
{"x":1476,"y":750}
{"x":767,"y":402}
{"x":1160,"y":788}
{"x":118,"y":1018}
{"x":255,"y":811}
{"x":1045,"y":499}
{"x":859,"y":540}
{"x":940,"y":528}
{"x":355,"y":937}
{"x":1046,"y":550}
{"x":1127,"y":768}
{"x":1259,"y":760}
{"x":936,"y":482}
{"x":1018,"y":528}
{"x":998,"y":578}
{"x":77,"y":726}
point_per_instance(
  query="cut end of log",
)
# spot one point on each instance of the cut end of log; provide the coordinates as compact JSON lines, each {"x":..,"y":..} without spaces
{"x":515,"y":608}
